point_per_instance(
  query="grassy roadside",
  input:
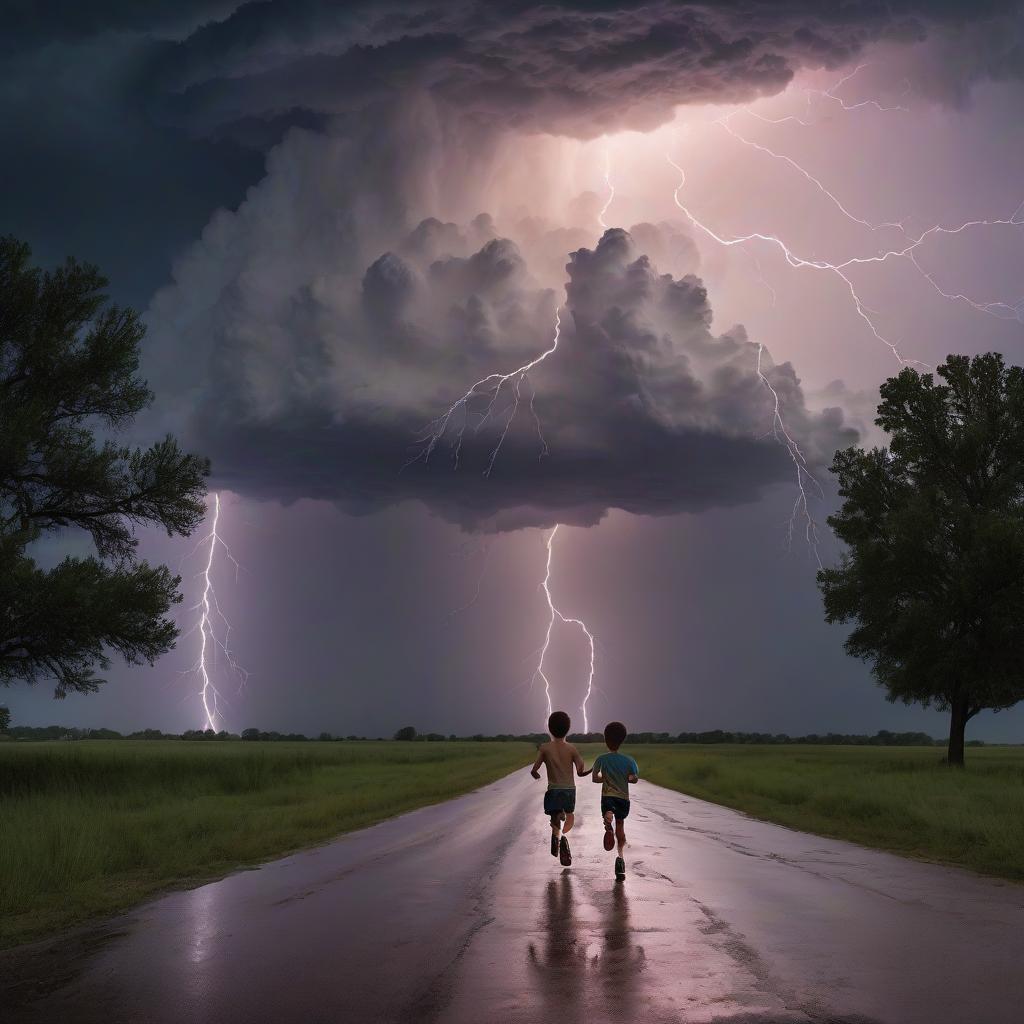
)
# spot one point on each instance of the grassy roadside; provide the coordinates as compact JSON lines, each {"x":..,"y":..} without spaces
{"x":895,"y":798}
{"x":89,"y":828}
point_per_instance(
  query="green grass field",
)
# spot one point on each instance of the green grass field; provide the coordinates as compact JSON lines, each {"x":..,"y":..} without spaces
{"x":89,"y":828}
{"x":896,"y":798}
{"x":92,"y":827}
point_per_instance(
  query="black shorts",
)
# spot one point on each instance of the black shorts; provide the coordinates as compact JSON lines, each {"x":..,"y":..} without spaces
{"x":558,"y":800}
{"x":615,"y":804}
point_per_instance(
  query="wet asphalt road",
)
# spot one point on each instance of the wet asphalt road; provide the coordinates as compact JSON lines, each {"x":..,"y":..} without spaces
{"x":458,"y":913}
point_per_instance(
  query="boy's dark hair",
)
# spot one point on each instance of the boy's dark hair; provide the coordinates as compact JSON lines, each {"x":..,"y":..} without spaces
{"x":614,"y":735}
{"x":558,"y":724}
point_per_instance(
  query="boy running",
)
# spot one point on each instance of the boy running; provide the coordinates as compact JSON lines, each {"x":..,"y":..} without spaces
{"x":615,"y":771}
{"x":559,"y":758}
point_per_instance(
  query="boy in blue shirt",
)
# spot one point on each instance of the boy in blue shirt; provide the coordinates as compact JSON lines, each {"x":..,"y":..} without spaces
{"x":615,"y":772}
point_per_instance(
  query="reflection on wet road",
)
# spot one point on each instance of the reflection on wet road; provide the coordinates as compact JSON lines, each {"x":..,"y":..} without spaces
{"x":458,"y":913}
{"x":560,"y":963}
{"x":567,"y":973}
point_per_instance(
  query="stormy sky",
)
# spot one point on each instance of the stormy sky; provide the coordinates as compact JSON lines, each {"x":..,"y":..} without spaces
{"x":348,"y":223}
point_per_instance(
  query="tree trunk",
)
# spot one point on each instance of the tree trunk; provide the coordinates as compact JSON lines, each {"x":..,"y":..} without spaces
{"x":959,"y":714}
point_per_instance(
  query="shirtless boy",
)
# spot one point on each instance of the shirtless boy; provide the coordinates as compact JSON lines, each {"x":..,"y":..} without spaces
{"x":560,"y":759}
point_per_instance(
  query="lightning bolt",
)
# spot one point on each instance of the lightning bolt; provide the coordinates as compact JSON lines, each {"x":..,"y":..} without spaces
{"x":840,"y":270}
{"x":465,"y":606}
{"x":836,"y":269}
{"x":609,"y":185}
{"x":804,"y":477}
{"x":555,"y":615}
{"x":999,"y":309}
{"x":213,"y":627}
{"x":830,"y":94}
{"x":491,"y":386}
{"x":724,"y":123}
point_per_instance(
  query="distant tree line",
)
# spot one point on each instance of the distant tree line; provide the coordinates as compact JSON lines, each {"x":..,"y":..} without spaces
{"x":882,"y":738}
{"x":63,"y":732}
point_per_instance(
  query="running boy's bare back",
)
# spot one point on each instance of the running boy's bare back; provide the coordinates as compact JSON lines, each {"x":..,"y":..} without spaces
{"x":563,"y":763}
{"x":561,"y":760}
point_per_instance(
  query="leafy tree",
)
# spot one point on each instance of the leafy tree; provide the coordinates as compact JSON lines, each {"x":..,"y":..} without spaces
{"x":5,"y":719}
{"x":934,"y":575}
{"x":406,"y":733}
{"x":68,"y":367}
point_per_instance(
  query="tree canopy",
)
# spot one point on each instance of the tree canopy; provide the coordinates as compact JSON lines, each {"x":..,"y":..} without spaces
{"x":933,"y":576}
{"x":69,"y":364}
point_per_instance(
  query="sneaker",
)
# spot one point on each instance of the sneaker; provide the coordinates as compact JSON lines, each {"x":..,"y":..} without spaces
{"x":620,"y":868}
{"x":554,"y":844}
{"x":609,"y":836}
{"x":564,"y":856}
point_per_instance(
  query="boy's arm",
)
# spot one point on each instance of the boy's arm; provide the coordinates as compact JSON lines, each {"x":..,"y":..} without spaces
{"x":535,"y":770}
{"x":634,"y":775}
{"x":577,"y":760}
{"x":596,"y":769}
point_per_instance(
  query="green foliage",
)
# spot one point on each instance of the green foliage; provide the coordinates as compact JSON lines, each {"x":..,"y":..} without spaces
{"x":69,"y":365}
{"x":5,"y":719}
{"x":897,"y":799}
{"x":90,"y":828}
{"x":933,"y":579}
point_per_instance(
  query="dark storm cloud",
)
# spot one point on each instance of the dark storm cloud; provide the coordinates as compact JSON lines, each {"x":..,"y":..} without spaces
{"x":576,"y":68}
{"x":641,"y":407}
{"x":953,"y":63}
{"x":88,"y":172}
{"x":180,"y":100}
{"x":29,"y":23}
{"x":312,"y":349}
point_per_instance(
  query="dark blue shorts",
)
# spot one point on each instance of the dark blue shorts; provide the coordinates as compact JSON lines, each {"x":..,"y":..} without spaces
{"x":615,"y":804}
{"x":558,"y":800}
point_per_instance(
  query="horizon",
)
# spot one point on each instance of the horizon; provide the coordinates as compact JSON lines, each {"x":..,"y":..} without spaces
{"x":702,"y":736}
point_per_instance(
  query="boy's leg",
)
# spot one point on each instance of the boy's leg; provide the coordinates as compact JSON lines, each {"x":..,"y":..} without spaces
{"x":621,"y":811}
{"x":609,"y":841}
{"x":568,"y":805}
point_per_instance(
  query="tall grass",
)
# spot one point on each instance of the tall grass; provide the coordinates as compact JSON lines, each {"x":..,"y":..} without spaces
{"x":900,"y":799}
{"x":88,"y":828}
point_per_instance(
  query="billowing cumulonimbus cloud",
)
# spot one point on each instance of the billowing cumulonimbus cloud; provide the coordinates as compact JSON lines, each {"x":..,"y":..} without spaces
{"x":577,"y":68}
{"x":313,"y":336}
{"x":326,"y":386}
